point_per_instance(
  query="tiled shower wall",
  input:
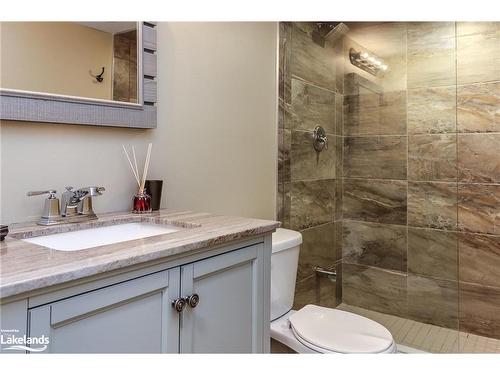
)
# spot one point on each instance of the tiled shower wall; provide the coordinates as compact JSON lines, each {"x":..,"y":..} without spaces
{"x":421,"y":180}
{"x":420,"y":175}
{"x":310,"y":94}
{"x":125,"y":67}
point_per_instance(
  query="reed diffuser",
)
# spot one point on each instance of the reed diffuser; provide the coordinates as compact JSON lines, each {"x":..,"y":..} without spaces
{"x":141,"y":200}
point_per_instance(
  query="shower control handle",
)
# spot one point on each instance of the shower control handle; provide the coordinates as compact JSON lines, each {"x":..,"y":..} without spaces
{"x":320,"y":140}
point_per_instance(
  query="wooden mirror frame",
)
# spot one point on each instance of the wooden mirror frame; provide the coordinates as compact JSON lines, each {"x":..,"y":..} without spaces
{"x":19,"y":105}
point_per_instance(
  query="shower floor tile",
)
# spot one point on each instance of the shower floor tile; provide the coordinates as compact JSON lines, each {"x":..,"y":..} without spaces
{"x":416,"y":336}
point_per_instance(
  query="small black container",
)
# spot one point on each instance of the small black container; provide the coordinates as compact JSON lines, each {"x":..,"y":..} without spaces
{"x":4,"y":231}
{"x":153,"y":188}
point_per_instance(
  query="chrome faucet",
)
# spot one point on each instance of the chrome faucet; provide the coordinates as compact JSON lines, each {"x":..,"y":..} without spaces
{"x":85,"y":204}
{"x":76,"y":205}
{"x":79,"y":202}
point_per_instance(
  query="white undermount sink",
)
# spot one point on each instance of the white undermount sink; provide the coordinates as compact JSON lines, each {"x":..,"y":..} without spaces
{"x":87,"y":238}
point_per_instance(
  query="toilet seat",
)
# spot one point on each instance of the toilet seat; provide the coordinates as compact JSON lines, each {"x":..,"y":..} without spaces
{"x":326,"y":330}
{"x":311,"y":346}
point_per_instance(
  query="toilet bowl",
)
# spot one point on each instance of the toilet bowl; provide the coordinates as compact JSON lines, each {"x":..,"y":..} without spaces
{"x":315,"y":329}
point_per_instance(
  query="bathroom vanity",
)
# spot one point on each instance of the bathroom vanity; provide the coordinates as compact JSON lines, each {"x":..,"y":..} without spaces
{"x":203,"y":287}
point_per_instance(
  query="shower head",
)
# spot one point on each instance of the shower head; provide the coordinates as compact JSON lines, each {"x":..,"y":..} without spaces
{"x":340,"y":29}
{"x":328,"y":31}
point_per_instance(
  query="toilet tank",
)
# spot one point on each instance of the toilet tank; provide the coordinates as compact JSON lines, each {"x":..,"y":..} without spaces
{"x":284,"y":262}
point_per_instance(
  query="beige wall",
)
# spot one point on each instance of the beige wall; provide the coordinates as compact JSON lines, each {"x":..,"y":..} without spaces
{"x":56,"y":57}
{"x":215,"y":145}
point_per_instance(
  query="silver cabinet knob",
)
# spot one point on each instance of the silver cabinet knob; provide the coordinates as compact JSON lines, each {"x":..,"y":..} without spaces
{"x":193,"y":300}
{"x":179,"y":304}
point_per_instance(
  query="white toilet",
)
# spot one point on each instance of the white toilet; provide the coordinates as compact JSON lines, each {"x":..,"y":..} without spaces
{"x":315,"y":329}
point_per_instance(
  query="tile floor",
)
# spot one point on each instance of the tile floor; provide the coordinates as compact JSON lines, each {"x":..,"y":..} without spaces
{"x":413,"y":336}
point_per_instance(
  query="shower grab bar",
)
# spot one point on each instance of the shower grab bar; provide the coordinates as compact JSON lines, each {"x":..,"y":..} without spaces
{"x":321,"y":272}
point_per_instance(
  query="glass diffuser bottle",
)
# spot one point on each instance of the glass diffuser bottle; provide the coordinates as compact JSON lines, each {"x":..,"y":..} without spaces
{"x":141,"y":200}
{"x":142,"y":203}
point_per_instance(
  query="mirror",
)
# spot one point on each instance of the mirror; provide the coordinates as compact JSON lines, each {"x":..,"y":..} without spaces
{"x":97,"y":60}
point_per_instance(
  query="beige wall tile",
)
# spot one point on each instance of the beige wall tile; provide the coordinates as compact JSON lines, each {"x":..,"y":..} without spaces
{"x":375,"y":200}
{"x":478,"y":54}
{"x":479,"y":158}
{"x":479,"y":306}
{"x":432,"y":110}
{"x":479,"y":259}
{"x":431,"y":54}
{"x":433,"y":253}
{"x":432,"y":205}
{"x":432,"y":157}
{"x":472,"y":28}
{"x":373,"y":244}
{"x":370,"y":113}
{"x":312,"y":106}
{"x":374,"y":288}
{"x":433,"y":301}
{"x":311,"y":203}
{"x":393,"y":113}
{"x":375,"y":157}
{"x":479,"y":208}
{"x":478,"y":108}
{"x":362,"y":113}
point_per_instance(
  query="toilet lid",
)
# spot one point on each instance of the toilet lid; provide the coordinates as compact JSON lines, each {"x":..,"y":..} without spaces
{"x":339,"y":331}
{"x":284,"y":239}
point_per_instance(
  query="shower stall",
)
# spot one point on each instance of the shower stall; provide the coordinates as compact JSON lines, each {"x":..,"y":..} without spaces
{"x":403,"y":198}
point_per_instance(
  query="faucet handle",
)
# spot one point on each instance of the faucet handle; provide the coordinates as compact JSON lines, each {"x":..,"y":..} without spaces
{"x":51,"y":209}
{"x":93,"y":191}
{"x":52,"y":193}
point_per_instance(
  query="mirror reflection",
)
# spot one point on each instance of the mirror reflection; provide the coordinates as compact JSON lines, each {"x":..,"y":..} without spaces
{"x":85,"y":59}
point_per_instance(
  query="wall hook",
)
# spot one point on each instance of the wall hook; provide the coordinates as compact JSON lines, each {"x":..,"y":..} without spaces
{"x":99,"y":77}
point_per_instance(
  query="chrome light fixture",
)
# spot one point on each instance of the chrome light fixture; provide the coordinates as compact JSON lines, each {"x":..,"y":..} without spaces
{"x":367,"y":61}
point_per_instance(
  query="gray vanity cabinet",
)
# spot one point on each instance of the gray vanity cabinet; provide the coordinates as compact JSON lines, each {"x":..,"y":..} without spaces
{"x":225,"y":310}
{"x":130,"y":317}
{"x":227,"y":317}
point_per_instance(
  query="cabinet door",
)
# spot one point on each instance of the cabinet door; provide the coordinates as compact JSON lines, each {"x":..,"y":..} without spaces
{"x":229,"y":317}
{"x":13,"y":324}
{"x":135,"y":316}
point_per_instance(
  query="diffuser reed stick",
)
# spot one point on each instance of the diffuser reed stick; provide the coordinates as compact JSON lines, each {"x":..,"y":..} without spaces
{"x":135,"y":163}
{"x":146,"y":167}
{"x":136,"y":174}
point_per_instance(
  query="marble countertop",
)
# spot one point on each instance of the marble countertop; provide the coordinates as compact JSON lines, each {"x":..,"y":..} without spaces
{"x":25,"y":267}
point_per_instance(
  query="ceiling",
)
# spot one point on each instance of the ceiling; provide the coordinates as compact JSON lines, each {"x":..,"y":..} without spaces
{"x":111,"y":27}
